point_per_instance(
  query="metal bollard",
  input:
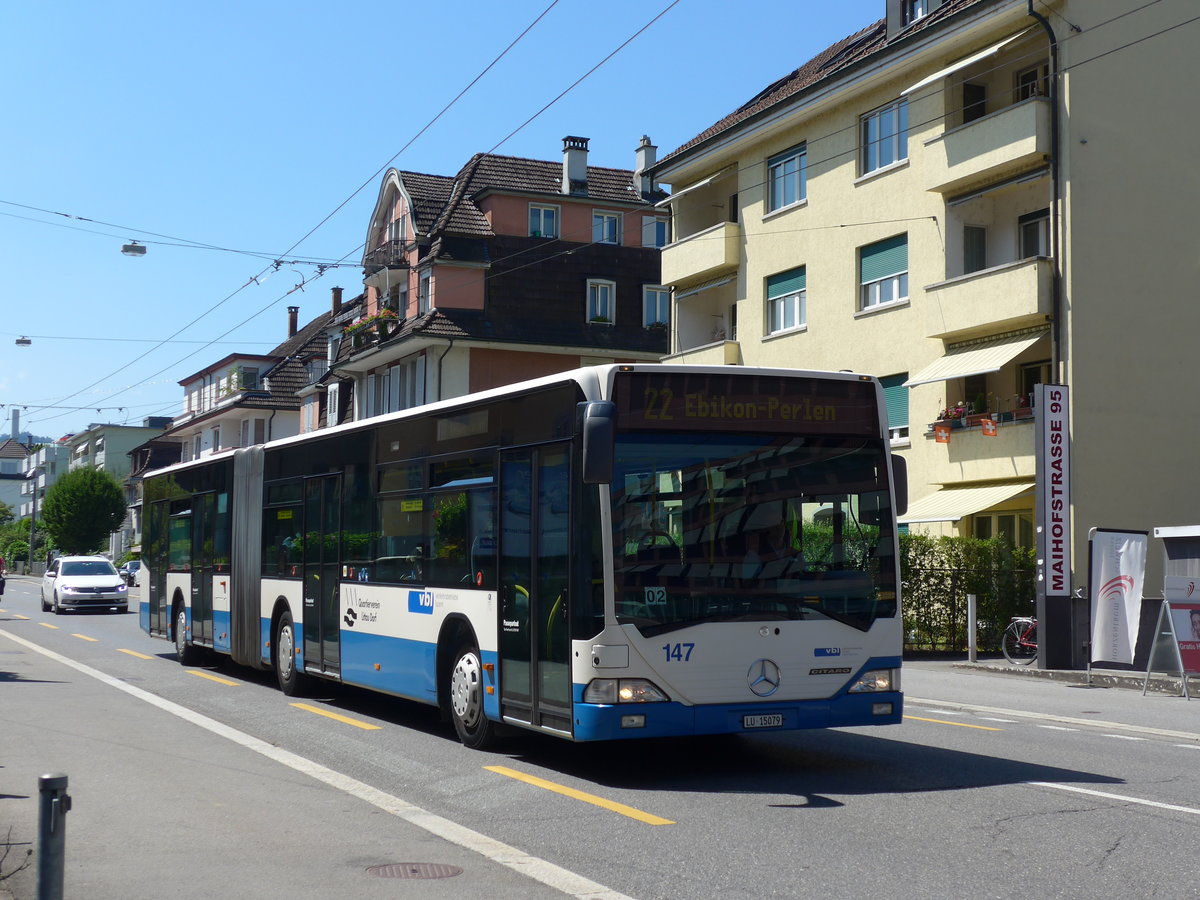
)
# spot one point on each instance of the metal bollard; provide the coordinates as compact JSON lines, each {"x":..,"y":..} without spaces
{"x":972,"y":629}
{"x":54,"y":804}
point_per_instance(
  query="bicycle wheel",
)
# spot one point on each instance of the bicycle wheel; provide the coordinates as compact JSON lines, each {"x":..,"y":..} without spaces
{"x":1019,"y":643}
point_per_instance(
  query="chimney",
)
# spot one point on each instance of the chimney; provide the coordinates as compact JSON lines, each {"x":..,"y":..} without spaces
{"x":293,"y":313}
{"x":574,"y":174}
{"x":337,"y":300}
{"x":646,"y":155}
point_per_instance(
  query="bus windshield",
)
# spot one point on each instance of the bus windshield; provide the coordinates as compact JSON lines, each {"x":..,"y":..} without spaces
{"x":720,"y":527}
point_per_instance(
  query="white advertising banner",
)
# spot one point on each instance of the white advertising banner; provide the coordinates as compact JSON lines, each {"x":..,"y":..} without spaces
{"x":1118,"y":569}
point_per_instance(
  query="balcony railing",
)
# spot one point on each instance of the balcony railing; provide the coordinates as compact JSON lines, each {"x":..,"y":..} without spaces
{"x":1003,"y":298}
{"x":390,"y":254}
{"x":703,"y":254}
{"x":1003,"y":143}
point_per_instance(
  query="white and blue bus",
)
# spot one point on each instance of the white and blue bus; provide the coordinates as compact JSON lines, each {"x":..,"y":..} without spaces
{"x":616,"y":552}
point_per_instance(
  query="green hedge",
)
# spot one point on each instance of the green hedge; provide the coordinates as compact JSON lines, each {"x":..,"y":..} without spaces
{"x":939,"y":572}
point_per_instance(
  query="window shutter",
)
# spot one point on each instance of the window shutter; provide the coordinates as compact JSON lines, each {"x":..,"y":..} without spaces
{"x":895,"y":398}
{"x":885,"y":258}
{"x":785,"y":283}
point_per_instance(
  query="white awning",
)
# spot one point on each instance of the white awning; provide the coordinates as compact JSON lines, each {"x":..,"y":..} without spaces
{"x":961,"y":64}
{"x":951,"y":504}
{"x":976,"y":359}
{"x":691,"y":187}
{"x":716,"y":282}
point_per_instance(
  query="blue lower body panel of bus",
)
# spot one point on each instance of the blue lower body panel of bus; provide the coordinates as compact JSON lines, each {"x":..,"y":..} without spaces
{"x":597,"y":722}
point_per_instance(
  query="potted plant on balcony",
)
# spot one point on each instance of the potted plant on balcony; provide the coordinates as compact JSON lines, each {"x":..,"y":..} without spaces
{"x":382,"y":323}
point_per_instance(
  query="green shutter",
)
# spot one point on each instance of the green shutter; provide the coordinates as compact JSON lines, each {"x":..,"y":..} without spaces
{"x":785,"y":283}
{"x":885,"y":258}
{"x":895,"y":397}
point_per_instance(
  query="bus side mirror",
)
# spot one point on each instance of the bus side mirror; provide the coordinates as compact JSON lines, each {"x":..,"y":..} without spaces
{"x":900,"y":483}
{"x":597,"y":426}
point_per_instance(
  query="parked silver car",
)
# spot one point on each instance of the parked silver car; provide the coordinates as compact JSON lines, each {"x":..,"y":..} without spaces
{"x":83,"y":582}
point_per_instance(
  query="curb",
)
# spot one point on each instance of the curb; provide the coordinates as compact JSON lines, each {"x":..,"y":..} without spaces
{"x":1158,"y":683}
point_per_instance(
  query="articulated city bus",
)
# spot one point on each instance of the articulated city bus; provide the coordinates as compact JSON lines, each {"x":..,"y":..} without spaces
{"x":616,"y":552}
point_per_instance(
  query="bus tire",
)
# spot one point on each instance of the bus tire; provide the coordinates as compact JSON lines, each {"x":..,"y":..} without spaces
{"x":187,"y":653}
{"x":474,"y":728}
{"x":291,"y":680}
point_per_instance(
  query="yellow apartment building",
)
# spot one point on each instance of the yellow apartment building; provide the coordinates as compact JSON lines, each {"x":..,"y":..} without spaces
{"x":969,"y":199}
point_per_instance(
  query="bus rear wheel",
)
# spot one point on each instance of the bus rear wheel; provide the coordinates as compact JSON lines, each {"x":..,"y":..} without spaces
{"x":291,"y":680}
{"x":188,"y":654}
{"x":474,"y":728}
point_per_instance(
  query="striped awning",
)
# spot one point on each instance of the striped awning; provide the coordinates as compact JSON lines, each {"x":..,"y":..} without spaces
{"x":952,"y":504}
{"x":976,"y":358}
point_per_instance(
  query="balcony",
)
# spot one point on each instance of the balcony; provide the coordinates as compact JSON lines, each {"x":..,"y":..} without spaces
{"x":703,"y":254}
{"x":721,"y":353}
{"x":390,"y":254}
{"x":978,"y":456}
{"x":1003,"y":298}
{"x":1004,"y":143}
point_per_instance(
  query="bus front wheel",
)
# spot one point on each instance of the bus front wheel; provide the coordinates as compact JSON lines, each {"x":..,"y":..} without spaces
{"x":291,"y":680}
{"x":474,"y":728}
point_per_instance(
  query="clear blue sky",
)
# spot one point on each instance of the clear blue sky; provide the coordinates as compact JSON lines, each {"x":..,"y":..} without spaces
{"x":245,"y":124}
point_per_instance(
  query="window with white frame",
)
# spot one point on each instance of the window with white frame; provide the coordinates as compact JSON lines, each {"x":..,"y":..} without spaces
{"x":543,"y":221}
{"x":216,"y":438}
{"x":606,"y":227}
{"x":655,"y":231}
{"x":656,"y":305}
{"x":601,"y":301}
{"x":895,"y":398}
{"x":786,"y":300}
{"x":884,"y":136}
{"x":254,"y":431}
{"x":425,"y":293}
{"x":331,"y":404}
{"x":883,"y":272}
{"x":1032,"y":82}
{"x":915,"y":9}
{"x":397,"y":229}
{"x":1034,"y":233}
{"x":197,"y":444}
{"x":787,"y":178}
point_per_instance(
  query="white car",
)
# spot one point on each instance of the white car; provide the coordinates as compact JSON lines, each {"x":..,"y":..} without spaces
{"x":83,"y":582}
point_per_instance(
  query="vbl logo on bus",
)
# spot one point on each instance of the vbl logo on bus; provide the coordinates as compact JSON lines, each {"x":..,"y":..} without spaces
{"x":828,"y":651}
{"x":420,"y":602}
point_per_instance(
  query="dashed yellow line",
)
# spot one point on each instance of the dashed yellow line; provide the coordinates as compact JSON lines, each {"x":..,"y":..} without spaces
{"x":84,"y":637}
{"x":210,"y":677}
{"x":135,"y":653}
{"x":48,"y":625}
{"x":612,"y":805}
{"x":365,"y":726}
{"x":959,"y":724}
{"x":19,"y":616}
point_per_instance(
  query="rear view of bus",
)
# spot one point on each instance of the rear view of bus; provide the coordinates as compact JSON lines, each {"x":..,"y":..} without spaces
{"x":752,"y":515}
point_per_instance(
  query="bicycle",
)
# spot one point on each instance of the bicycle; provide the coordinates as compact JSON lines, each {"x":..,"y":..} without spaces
{"x":1019,"y":641}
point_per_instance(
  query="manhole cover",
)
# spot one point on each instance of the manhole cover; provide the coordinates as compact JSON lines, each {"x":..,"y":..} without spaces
{"x":414,"y":870}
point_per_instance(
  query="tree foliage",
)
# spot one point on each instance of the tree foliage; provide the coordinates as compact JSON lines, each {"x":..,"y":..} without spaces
{"x":82,"y":508}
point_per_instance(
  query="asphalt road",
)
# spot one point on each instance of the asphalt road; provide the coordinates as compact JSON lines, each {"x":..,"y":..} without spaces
{"x":994,"y":786}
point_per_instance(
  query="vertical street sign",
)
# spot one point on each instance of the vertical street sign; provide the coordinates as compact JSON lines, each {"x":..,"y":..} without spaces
{"x":1053,"y":526}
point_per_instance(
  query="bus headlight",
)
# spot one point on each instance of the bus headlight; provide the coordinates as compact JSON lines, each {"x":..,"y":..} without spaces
{"x":622,"y":690}
{"x":877,"y":680}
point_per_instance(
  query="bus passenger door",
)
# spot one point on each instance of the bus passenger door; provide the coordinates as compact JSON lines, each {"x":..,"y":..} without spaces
{"x":535,"y":671}
{"x":322,"y":512}
{"x":203,"y":526}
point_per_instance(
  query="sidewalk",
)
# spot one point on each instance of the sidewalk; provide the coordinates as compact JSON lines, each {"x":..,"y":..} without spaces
{"x":163,"y":807}
{"x":994,"y":664}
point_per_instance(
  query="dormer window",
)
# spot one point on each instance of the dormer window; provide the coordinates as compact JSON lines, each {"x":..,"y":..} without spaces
{"x":915,"y":9}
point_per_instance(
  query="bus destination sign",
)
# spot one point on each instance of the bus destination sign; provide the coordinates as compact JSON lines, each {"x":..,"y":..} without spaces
{"x":738,"y":402}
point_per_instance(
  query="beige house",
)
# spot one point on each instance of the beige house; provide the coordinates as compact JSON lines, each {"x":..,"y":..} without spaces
{"x":969,"y":198}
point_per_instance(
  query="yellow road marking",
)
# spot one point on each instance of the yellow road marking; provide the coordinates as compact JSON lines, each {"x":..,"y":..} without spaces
{"x":580,"y":795}
{"x":959,"y":724}
{"x":200,"y":674}
{"x":48,"y":625}
{"x":138,"y":655}
{"x":365,"y":726}
{"x":19,"y":616}
{"x":84,"y":637}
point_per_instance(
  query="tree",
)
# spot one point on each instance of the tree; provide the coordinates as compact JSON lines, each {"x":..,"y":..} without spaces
{"x":6,"y":513}
{"x":82,"y":508}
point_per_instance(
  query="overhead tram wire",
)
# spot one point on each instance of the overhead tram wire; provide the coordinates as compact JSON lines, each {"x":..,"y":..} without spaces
{"x":310,"y":232}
